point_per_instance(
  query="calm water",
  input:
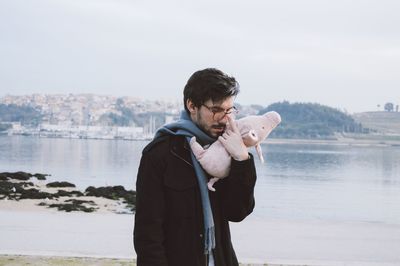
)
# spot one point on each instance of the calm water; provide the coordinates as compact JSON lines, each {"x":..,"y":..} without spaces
{"x":317,"y":182}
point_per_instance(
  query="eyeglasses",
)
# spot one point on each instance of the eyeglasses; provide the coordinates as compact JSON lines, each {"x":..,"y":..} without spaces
{"x":219,"y":113}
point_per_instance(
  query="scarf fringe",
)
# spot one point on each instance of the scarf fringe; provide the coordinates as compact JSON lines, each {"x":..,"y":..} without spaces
{"x":210,"y":240}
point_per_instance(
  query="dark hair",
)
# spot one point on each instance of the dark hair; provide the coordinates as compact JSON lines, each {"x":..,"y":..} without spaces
{"x":209,"y":83}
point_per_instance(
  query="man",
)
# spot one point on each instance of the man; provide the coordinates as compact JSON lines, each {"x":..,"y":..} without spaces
{"x":178,"y":222}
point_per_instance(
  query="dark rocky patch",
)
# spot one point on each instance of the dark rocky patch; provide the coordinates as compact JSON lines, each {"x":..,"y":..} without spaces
{"x":14,"y":186}
{"x":33,"y":193}
{"x":5,"y":187}
{"x":17,"y":191}
{"x":18,"y":175}
{"x":63,"y":193}
{"x":26,"y":184}
{"x":75,"y":201}
{"x":10,"y":189}
{"x":40,"y":176}
{"x":74,"y":205}
{"x":112,"y":192}
{"x":60,"y":184}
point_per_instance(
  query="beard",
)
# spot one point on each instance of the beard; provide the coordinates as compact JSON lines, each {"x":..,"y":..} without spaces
{"x":214,"y":130}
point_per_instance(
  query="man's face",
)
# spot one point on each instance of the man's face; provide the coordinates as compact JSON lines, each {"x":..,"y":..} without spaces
{"x":212,"y":123}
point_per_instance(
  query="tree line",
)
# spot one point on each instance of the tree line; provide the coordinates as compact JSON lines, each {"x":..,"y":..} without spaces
{"x":311,"y":120}
{"x":26,"y":115}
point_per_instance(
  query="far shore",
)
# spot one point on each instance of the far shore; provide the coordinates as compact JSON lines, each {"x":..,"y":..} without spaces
{"x":351,"y":140}
{"x":339,"y":141}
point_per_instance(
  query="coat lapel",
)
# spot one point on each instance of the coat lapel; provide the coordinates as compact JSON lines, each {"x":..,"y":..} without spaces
{"x":180,"y":148}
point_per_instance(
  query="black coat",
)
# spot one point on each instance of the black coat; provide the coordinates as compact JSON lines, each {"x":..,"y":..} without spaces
{"x":169,"y":218}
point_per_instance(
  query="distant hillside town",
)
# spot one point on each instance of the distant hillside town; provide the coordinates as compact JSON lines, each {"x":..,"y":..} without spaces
{"x":88,"y":115}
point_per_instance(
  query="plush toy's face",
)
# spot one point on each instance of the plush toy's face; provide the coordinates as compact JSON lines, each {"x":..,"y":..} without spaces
{"x":255,"y":129}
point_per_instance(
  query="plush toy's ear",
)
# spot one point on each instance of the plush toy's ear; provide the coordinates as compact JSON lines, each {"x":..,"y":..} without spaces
{"x":251,"y":138}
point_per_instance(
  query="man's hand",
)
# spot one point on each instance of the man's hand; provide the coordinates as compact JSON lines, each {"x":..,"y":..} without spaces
{"x":233,"y":142}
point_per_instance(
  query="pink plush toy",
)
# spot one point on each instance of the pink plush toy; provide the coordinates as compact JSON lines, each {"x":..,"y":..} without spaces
{"x":216,"y":161}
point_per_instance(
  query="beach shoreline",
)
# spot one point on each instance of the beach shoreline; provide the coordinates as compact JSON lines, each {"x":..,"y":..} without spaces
{"x":348,"y":139}
{"x":40,"y":260}
{"x":58,"y":260}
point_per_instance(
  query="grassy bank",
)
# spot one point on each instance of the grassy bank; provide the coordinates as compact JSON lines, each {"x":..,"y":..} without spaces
{"x":380,"y":122}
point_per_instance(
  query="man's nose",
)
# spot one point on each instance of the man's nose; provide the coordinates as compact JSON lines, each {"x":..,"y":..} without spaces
{"x":224,"y":119}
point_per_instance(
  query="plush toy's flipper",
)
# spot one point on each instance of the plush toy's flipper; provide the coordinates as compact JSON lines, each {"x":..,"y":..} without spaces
{"x":259,"y":152}
{"x":197,"y":150}
{"x":211,"y":183}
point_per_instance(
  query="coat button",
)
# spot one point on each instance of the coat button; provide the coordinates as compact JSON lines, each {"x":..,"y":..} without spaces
{"x":201,"y":235}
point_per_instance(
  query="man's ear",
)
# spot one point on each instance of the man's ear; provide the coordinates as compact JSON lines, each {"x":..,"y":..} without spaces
{"x":190,"y":106}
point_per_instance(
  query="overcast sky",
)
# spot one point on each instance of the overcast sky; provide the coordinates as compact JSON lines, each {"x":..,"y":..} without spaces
{"x":341,"y":53}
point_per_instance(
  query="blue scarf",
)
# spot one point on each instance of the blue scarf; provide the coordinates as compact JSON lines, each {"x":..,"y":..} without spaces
{"x":185,"y":127}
